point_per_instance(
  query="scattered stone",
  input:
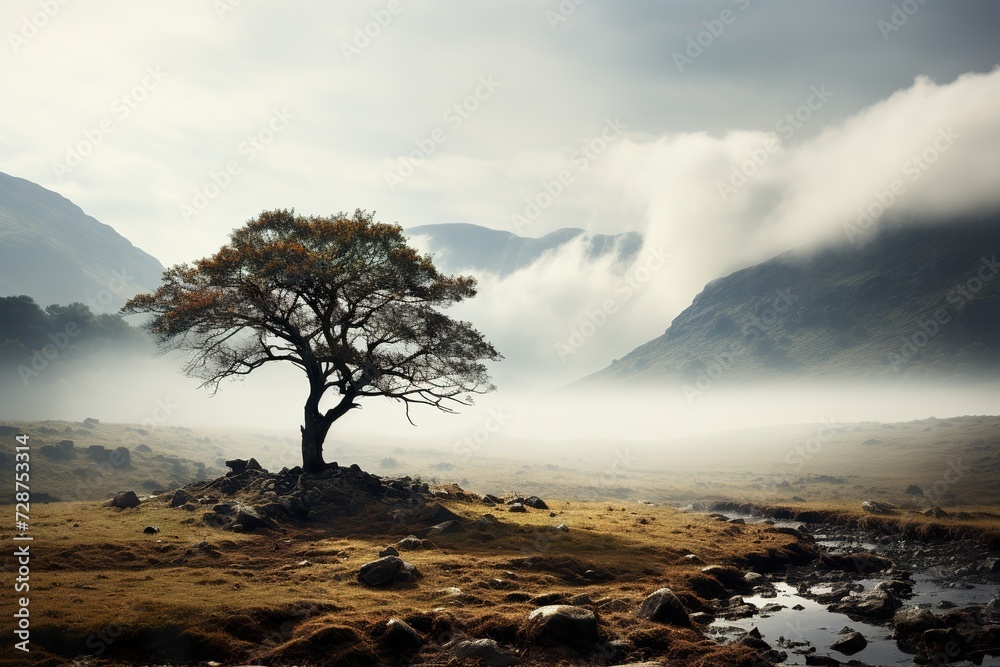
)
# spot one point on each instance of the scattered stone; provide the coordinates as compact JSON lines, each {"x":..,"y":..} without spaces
{"x":535,"y":502}
{"x":850,"y":643}
{"x":180,"y":498}
{"x":387,"y":570}
{"x":238,"y":466}
{"x":517,"y":507}
{"x":125,"y":500}
{"x":412,"y":542}
{"x":486,"y":522}
{"x":150,"y":530}
{"x":446,"y":528}
{"x":798,"y":607}
{"x":401,"y":636}
{"x":388,"y":551}
{"x":562,"y":528}
{"x":663,"y":606}
{"x":486,"y":651}
{"x":121,"y":457}
{"x":566,"y":624}
{"x":876,"y":507}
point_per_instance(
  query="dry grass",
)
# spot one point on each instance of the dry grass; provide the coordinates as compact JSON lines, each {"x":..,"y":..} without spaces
{"x":253,"y":596}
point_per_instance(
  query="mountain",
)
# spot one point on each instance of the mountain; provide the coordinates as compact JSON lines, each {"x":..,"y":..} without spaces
{"x":914,"y":301}
{"x":54,"y":252}
{"x":460,"y":246}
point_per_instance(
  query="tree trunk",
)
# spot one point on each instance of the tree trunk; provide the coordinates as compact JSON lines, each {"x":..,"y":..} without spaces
{"x":314,"y":431}
{"x":313,"y":436}
{"x":317,"y":425}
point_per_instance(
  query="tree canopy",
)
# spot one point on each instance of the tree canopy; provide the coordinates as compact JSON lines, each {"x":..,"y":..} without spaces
{"x":344,"y":298}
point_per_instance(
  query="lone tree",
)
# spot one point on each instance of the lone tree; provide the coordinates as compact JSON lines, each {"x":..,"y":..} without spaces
{"x":344,"y":298}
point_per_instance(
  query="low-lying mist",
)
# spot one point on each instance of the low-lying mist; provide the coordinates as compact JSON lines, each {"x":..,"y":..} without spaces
{"x":523,"y":424}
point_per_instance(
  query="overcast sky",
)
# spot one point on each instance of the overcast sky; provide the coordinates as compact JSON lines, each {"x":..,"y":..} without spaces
{"x":176,"y":122}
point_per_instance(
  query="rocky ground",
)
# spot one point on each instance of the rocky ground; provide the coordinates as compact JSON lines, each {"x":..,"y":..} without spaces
{"x":346,"y":568}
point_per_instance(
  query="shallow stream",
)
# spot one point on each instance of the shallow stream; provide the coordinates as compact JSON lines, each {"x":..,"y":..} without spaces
{"x":820,"y":628}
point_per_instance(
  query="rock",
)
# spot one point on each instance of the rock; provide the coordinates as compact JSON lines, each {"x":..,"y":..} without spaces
{"x":517,"y":507}
{"x":125,"y":500}
{"x":485,"y":522}
{"x":936,"y":512}
{"x":691,"y":558}
{"x":437,"y":514}
{"x":388,"y":551}
{"x":401,"y":636}
{"x":387,"y":570}
{"x":251,"y":519}
{"x":876,"y":507}
{"x":850,"y":643}
{"x":663,"y":606}
{"x":991,"y":565}
{"x":730,"y":577}
{"x":756,"y":579}
{"x":535,"y":502}
{"x":180,"y":498}
{"x":878,"y":603}
{"x":145,"y":449}
{"x":446,"y":528}
{"x":486,"y":651}
{"x":910,"y":625}
{"x":121,"y":457}
{"x":150,"y":530}
{"x":562,"y":528}
{"x":238,"y":466}
{"x":914,"y":490}
{"x":566,"y":624}
{"x":411,"y":542}
{"x":701,"y":618}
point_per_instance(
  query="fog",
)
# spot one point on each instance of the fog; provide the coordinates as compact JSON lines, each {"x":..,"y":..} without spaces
{"x":524,"y":425}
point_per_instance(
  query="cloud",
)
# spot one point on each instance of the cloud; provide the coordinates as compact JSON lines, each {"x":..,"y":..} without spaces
{"x":719,"y":203}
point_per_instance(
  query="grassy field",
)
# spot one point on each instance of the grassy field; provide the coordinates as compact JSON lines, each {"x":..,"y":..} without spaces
{"x":102,"y":586}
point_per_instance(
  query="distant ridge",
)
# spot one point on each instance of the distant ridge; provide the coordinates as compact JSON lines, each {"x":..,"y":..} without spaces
{"x":55,"y":253}
{"x":463,"y":246}
{"x":915,"y":301}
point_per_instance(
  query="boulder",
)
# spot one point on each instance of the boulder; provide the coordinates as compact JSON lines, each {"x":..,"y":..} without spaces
{"x":238,"y":466}
{"x":125,"y":500}
{"x":663,"y":606}
{"x":850,"y":643}
{"x":121,"y":457}
{"x":910,"y":625}
{"x":250,"y":518}
{"x":563,"y":623}
{"x":436,"y":514}
{"x":517,"y":507}
{"x":412,"y":542}
{"x":914,"y":490}
{"x":535,"y":503}
{"x":879,"y":603}
{"x":388,"y":551}
{"x":401,"y":636}
{"x":446,"y":528}
{"x":150,"y":530}
{"x":180,"y":498}
{"x":484,"y":651}
{"x":728,"y":576}
{"x":876,"y":507}
{"x":485,"y":522}
{"x":935,"y":512}
{"x":386,"y":571}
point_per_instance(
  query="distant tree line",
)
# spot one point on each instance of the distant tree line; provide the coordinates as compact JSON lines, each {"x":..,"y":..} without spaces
{"x":33,"y":338}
